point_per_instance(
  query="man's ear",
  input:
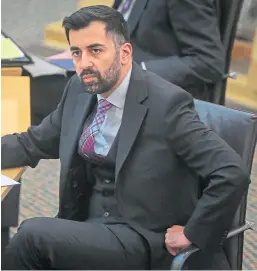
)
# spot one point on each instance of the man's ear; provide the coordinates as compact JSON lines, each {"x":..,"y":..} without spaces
{"x":125,"y":53}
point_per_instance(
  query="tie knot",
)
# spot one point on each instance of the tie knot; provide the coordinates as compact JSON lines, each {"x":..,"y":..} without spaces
{"x":103,"y":106}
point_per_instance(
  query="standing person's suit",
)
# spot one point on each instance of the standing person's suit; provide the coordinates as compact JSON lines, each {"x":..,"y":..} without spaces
{"x":179,"y":40}
{"x":161,"y":154}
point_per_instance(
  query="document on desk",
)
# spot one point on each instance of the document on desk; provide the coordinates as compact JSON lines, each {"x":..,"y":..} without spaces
{"x":9,"y":50}
{"x":5,"y":181}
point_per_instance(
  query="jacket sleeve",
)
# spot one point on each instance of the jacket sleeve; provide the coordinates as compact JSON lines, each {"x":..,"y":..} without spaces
{"x":215,"y":162}
{"x":202,"y":56}
{"x":39,"y":142}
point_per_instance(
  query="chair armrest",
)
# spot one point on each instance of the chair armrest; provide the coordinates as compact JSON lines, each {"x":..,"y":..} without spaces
{"x":232,"y":75}
{"x":247,"y":226}
{"x":179,"y":260}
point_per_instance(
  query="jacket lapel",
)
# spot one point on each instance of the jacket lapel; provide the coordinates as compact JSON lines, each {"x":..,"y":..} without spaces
{"x":133,"y":116}
{"x":85,"y":103}
{"x":136,"y":13}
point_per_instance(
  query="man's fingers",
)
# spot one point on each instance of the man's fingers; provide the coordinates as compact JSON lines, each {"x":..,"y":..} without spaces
{"x":170,"y":240}
{"x":175,"y":228}
{"x":172,"y":251}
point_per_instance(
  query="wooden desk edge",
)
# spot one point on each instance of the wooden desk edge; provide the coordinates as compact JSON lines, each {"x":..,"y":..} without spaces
{"x":18,"y":176}
{"x":5,"y":189}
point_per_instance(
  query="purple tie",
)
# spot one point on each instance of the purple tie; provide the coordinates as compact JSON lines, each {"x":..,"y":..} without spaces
{"x":89,"y":133}
{"x":125,"y":6}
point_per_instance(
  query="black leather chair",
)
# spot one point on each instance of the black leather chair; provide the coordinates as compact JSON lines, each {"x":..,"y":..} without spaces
{"x":239,"y":130}
{"x":229,"y":16}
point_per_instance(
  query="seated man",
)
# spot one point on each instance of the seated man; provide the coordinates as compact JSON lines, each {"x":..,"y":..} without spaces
{"x":179,"y":40}
{"x":132,"y":152}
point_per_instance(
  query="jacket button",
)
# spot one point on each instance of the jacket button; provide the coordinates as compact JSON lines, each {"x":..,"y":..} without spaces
{"x":106,"y":214}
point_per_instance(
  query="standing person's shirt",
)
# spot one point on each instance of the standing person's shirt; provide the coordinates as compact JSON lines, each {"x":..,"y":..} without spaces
{"x":126,"y":7}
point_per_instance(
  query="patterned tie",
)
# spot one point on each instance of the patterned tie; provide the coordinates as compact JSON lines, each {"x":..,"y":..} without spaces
{"x":89,"y":133}
{"x":125,"y":6}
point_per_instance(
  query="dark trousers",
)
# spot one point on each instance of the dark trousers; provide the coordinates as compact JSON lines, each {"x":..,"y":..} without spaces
{"x":52,"y":243}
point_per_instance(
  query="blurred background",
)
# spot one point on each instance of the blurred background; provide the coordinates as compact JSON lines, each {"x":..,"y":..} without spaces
{"x":35,"y":25}
{"x":30,"y":18}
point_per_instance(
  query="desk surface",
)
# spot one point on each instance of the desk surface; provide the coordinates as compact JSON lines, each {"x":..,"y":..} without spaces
{"x":15,"y":115}
{"x":13,"y":173}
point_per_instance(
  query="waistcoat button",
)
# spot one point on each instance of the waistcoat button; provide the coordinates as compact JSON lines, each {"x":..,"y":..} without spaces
{"x":106,"y":214}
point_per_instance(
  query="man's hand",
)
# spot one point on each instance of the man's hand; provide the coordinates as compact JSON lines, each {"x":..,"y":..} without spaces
{"x":176,"y":240}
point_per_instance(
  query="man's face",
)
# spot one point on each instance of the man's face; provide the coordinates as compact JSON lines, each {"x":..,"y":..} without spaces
{"x":96,"y":59}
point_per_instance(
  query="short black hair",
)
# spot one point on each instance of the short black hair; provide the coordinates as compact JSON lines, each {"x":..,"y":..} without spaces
{"x":114,"y":21}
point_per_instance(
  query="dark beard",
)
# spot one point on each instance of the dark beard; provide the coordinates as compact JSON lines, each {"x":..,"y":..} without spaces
{"x":104,"y":83}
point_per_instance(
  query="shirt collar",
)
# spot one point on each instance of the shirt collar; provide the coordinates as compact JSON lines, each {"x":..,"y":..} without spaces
{"x":118,"y":96}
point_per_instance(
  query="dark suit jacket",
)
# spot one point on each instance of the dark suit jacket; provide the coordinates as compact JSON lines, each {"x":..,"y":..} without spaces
{"x":163,"y":152}
{"x":180,"y":41}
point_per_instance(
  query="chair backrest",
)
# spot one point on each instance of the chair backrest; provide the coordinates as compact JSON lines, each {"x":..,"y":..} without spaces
{"x":229,"y":16}
{"x":239,"y":130}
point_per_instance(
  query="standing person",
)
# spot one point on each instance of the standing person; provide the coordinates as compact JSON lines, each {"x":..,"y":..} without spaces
{"x":179,"y":40}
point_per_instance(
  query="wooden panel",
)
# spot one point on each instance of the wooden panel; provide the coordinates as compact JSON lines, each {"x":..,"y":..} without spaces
{"x":4,"y":191}
{"x":17,"y":71}
{"x":54,"y":35}
{"x":15,"y":108}
{"x":242,"y":50}
{"x":253,"y":66}
{"x":243,"y":90}
{"x":15,"y":112}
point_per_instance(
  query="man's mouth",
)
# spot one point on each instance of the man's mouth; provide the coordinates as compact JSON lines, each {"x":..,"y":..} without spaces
{"x":88,"y":77}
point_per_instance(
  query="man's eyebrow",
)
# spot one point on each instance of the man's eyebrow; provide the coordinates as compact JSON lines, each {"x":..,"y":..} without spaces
{"x":74,"y":48}
{"x":95,"y":45}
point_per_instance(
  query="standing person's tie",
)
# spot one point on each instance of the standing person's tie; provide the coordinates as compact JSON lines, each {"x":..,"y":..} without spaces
{"x":91,"y":131}
{"x":125,"y":6}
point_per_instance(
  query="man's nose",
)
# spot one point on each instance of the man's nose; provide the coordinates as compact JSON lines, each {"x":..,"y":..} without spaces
{"x":86,"y":61}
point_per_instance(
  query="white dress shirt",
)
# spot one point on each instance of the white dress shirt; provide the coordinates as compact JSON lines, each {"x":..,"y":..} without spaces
{"x":110,"y":127}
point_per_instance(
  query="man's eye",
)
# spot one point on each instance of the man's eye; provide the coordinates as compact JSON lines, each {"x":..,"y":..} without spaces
{"x":75,"y":53}
{"x":96,"y":51}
